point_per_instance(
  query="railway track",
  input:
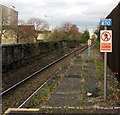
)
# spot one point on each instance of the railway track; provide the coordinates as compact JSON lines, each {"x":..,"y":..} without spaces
{"x":7,"y":99}
{"x":32,"y":75}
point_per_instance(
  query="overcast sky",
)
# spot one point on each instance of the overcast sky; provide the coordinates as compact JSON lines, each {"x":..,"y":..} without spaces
{"x":84,"y":13}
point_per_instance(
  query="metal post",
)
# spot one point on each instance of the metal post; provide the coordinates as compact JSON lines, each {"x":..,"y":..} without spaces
{"x":52,"y":23}
{"x":1,"y":24}
{"x":105,"y":72}
{"x":88,"y":50}
{"x":105,"y":75}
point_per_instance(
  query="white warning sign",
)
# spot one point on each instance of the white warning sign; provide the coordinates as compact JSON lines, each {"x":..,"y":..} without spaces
{"x":106,"y":41}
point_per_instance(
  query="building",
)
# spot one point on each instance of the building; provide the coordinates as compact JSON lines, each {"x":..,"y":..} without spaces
{"x":9,"y":37}
{"x":42,"y":35}
{"x":20,"y":34}
{"x":26,"y":34}
{"x":12,"y":33}
{"x":114,"y":56}
{"x":8,"y":15}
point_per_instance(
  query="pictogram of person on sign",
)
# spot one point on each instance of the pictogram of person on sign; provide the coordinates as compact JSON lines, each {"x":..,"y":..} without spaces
{"x":106,"y":36}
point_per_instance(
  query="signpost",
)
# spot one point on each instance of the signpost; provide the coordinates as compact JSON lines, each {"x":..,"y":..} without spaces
{"x":105,"y":46}
{"x":89,"y":44}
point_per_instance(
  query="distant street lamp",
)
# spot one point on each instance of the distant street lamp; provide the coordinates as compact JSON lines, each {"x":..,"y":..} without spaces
{"x":52,"y":20}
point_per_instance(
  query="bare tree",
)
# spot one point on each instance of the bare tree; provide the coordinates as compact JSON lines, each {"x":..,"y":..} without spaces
{"x":38,"y":24}
{"x":66,"y":27}
{"x":67,"y":31}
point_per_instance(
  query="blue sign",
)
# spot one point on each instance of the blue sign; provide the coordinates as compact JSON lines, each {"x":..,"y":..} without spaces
{"x":105,"y":22}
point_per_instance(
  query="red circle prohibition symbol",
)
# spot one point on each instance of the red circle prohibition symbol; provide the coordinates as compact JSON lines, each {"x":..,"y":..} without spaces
{"x":106,"y":36}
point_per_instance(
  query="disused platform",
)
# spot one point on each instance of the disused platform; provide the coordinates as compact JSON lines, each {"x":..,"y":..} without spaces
{"x":79,"y":87}
{"x":63,"y":110}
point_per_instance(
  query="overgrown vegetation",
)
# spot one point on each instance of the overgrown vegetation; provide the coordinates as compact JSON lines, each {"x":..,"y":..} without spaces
{"x":83,"y":84}
{"x":97,"y":32}
{"x":46,"y":92}
{"x":85,"y":36}
{"x":99,"y":69}
{"x":45,"y":95}
{"x":68,"y":31}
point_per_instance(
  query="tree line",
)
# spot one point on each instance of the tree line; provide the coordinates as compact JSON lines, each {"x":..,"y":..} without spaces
{"x":67,"y":31}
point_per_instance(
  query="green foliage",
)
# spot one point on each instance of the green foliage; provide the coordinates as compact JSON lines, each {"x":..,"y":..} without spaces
{"x":39,"y":99}
{"x":85,"y":35}
{"x":56,"y":76}
{"x":99,"y":69}
{"x":94,"y":37}
{"x":57,"y":35}
{"x":97,"y":32}
{"x":82,"y":99}
{"x":48,"y":88}
{"x":73,"y":86}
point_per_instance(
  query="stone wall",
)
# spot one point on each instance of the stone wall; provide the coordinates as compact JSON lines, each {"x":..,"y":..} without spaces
{"x":17,"y":55}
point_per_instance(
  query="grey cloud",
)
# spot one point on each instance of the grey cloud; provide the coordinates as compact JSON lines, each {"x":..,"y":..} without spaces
{"x":88,"y":14}
{"x":96,"y":10}
{"x":83,"y":3}
{"x":36,"y":9}
{"x":57,"y":4}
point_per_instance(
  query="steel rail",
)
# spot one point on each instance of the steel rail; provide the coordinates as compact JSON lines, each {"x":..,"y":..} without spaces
{"x":21,"y":105}
{"x":7,"y":90}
